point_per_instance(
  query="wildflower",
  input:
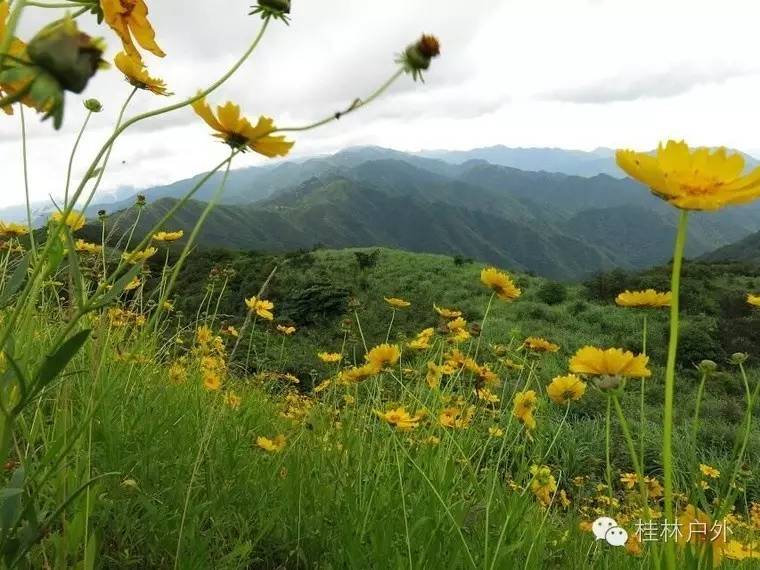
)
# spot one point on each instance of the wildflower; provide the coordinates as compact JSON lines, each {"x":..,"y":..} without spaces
{"x":458,"y":324}
{"x":177,"y":373}
{"x":538,"y":344}
{"x":383,"y":355}
{"x":500,"y":283}
{"x":169,"y":236}
{"x":329,"y":357}
{"x":277,"y":9}
{"x":274,"y":445}
{"x":261,"y":307}
{"x":753,"y":300}
{"x":397,"y":303}
{"x":447,"y":313}
{"x":422,"y":341}
{"x":708,"y":471}
{"x":286,"y":330}
{"x":94,"y":106}
{"x":487,"y":376}
{"x":649,"y":299}
{"x":237,"y":131}
{"x":455,"y":417}
{"x":230,"y":330}
{"x":129,"y":18}
{"x":543,"y":485}
{"x":610,"y":362}
{"x":633,"y":545}
{"x":139,"y":256}
{"x":137,"y":75}
{"x":692,"y":179}
{"x":400,"y":418}
{"x":211,"y":380}
{"x":654,"y":489}
{"x":487,"y":396}
{"x":357,"y":374}
{"x":74,"y":220}
{"x":432,"y":440}
{"x":459,"y":337}
{"x":495,"y":431}
{"x":564,"y":389}
{"x":203,"y":335}
{"x":417,"y":57}
{"x":132,"y":285}
{"x":81,"y":246}
{"x":433,"y":377}
{"x":629,"y":480}
{"x":523,"y":406}
{"x":13,"y":229}
{"x":232,"y":400}
{"x":691,"y":518}
{"x":735,"y":550}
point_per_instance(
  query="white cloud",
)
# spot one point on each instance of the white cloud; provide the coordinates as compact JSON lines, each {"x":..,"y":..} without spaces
{"x":569,"y":73}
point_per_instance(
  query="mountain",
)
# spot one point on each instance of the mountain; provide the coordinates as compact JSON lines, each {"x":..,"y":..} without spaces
{"x":556,"y":225}
{"x":746,"y":250}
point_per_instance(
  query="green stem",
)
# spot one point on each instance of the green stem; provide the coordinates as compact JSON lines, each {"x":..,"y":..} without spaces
{"x":71,"y":158}
{"x":26,"y":179}
{"x":483,"y":326}
{"x":670,"y":374}
{"x":607,"y":438}
{"x":642,"y":410}
{"x":390,"y":326}
{"x":632,"y":452}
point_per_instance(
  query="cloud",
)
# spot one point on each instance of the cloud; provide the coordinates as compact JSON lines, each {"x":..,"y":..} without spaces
{"x":657,"y":85}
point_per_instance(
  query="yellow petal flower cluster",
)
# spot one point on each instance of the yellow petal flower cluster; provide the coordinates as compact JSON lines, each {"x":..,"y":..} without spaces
{"x":129,"y":19}
{"x":753,"y":300}
{"x":261,"y":307}
{"x":564,"y":389}
{"x":329,"y":357}
{"x":693,"y":179}
{"x":644,"y":299}
{"x":523,"y":406}
{"x":137,"y":75}
{"x":400,"y":418}
{"x":543,"y":485}
{"x":594,"y":361}
{"x":81,"y":246}
{"x":500,"y":283}
{"x":447,"y":313}
{"x":397,"y":303}
{"x":383,"y":355}
{"x":12,"y":230}
{"x":239,"y":133}
{"x":538,"y":344}
{"x":74,"y":220}
{"x":422,"y":341}
{"x":168,"y":236}
{"x":286,"y":330}
{"x":139,"y":256}
{"x":274,"y":445}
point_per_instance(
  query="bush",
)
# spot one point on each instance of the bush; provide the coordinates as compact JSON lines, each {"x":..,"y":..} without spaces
{"x":552,"y":293}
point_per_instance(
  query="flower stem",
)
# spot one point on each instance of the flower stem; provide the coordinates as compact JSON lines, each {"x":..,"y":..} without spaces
{"x":642,"y":411}
{"x":26,"y":180}
{"x":670,"y":371}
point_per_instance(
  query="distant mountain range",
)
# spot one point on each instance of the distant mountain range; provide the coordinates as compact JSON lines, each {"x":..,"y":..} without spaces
{"x":555,"y":224}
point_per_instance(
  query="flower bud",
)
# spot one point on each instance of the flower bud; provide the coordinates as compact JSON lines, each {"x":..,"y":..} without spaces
{"x":738,"y":358}
{"x":67,"y":54}
{"x":707,"y":367}
{"x":93,"y":105}
{"x":102,"y":215}
{"x":417,"y":57}
{"x":278,"y":9}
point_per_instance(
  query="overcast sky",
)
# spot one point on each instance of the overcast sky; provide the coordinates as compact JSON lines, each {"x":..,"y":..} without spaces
{"x":561,"y":73}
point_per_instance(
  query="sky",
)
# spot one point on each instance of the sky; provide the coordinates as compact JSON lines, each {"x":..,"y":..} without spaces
{"x":577,"y":74}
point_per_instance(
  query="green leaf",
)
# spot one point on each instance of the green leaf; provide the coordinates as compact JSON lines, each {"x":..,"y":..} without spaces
{"x":15,"y":282}
{"x":10,"y":503}
{"x":54,"y":363}
{"x":118,"y":287}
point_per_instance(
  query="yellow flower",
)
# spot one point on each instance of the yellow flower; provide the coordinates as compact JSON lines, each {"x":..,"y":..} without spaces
{"x":397,"y":303}
{"x":422,"y":342}
{"x":204,"y":335}
{"x":458,"y":324}
{"x":139,"y":256}
{"x":134,"y":284}
{"x":735,"y":550}
{"x":459,"y":418}
{"x":564,"y":389}
{"x":137,"y":75}
{"x":495,"y":431}
{"x":329,"y":357}
{"x":177,"y":373}
{"x":357,"y":374}
{"x":261,"y":307}
{"x":74,"y":220}
{"x":523,"y":405}
{"x":629,"y":480}
{"x":708,"y":471}
{"x":211,"y":380}
{"x":169,"y":236}
{"x":286,"y":330}
{"x":238,"y":132}
{"x":537,"y":344}
{"x":400,"y":418}
{"x":543,"y":485}
{"x":81,"y":246}
{"x":500,"y":283}
{"x":611,"y":362}
{"x":271,"y":445}
{"x":13,"y":229}
{"x":383,"y":355}
{"x":447,"y":313}
{"x":232,"y":400}
{"x":692,"y":518}
{"x":649,"y":298}
{"x":129,"y":18}
{"x":692,"y":179}
{"x":433,"y":377}
{"x":753,"y":300}
{"x":486,"y":395}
